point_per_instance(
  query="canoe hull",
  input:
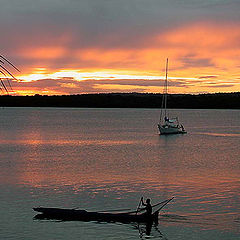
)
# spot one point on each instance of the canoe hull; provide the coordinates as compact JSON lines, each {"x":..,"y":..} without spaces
{"x":82,"y":215}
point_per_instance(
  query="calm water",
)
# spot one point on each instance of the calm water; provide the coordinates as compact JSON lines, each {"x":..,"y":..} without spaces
{"x":100,"y":159}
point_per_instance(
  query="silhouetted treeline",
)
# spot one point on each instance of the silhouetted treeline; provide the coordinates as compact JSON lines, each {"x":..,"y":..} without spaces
{"x":125,"y":100}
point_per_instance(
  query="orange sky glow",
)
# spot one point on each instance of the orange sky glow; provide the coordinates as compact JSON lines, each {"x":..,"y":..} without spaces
{"x":204,"y":57}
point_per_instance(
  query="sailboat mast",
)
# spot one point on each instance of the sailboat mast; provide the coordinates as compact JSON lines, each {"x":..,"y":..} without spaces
{"x":166,"y":86}
{"x":164,"y":98}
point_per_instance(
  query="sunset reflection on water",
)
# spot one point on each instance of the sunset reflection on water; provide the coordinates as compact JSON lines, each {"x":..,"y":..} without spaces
{"x":107,"y":164}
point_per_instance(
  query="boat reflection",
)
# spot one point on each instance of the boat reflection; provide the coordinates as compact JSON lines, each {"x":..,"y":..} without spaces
{"x":150,"y":230}
{"x":145,"y":229}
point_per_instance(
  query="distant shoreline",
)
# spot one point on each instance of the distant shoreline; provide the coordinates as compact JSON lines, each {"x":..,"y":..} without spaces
{"x":126,"y":100}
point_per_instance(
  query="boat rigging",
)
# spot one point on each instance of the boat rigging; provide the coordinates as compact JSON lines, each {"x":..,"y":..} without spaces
{"x":168,"y":125}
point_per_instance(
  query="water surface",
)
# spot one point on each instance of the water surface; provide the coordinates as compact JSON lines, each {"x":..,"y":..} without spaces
{"x":99,"y":159}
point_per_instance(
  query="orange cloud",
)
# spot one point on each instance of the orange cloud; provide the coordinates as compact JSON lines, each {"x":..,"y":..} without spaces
{"x":47,"y":52}
{"x":194,"y":50}
{"x":218,"y":43}
{"x":105,"y":56}
{"x":203,"y":35}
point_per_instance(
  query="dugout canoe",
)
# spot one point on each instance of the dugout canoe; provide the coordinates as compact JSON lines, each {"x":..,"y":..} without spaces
{"x":83,"y":215}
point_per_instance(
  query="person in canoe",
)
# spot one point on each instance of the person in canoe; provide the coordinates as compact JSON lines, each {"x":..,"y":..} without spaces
{"x":148,"y":207}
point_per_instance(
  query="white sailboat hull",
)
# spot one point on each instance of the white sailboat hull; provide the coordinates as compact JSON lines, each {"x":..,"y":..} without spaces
{"x":168,"y":129}
{"x":167,"y":125}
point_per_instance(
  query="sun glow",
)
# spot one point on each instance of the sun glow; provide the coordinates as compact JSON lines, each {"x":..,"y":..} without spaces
{"x":97,"y":75}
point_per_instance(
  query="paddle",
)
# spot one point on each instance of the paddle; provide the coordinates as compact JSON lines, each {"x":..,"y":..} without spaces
{"x":139,"y":204}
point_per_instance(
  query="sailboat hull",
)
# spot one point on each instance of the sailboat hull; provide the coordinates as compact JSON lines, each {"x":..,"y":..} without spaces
{"x":166,"y":129}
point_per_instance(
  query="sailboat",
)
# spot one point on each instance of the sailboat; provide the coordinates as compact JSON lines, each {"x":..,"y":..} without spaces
{"x":168,"y":125}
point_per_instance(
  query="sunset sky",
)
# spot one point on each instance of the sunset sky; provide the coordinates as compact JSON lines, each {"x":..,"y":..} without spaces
{"x":95,"y":46}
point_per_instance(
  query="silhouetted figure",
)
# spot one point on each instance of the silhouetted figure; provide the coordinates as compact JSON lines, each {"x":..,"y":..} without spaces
{"x":148,"y":207}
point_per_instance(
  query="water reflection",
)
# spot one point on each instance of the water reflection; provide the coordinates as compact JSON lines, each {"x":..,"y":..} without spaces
{"x":33,"y":139}
{"x":109,"y":158}
{"x":221,"y":134}
{"x":145,"y":230}
{"x":150,"y":230}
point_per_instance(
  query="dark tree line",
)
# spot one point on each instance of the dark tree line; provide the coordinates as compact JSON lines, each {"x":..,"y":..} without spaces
{"x":126,"y":100}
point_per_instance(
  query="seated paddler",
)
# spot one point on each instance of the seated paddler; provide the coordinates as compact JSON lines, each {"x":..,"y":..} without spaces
{"x":148,"y":207}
